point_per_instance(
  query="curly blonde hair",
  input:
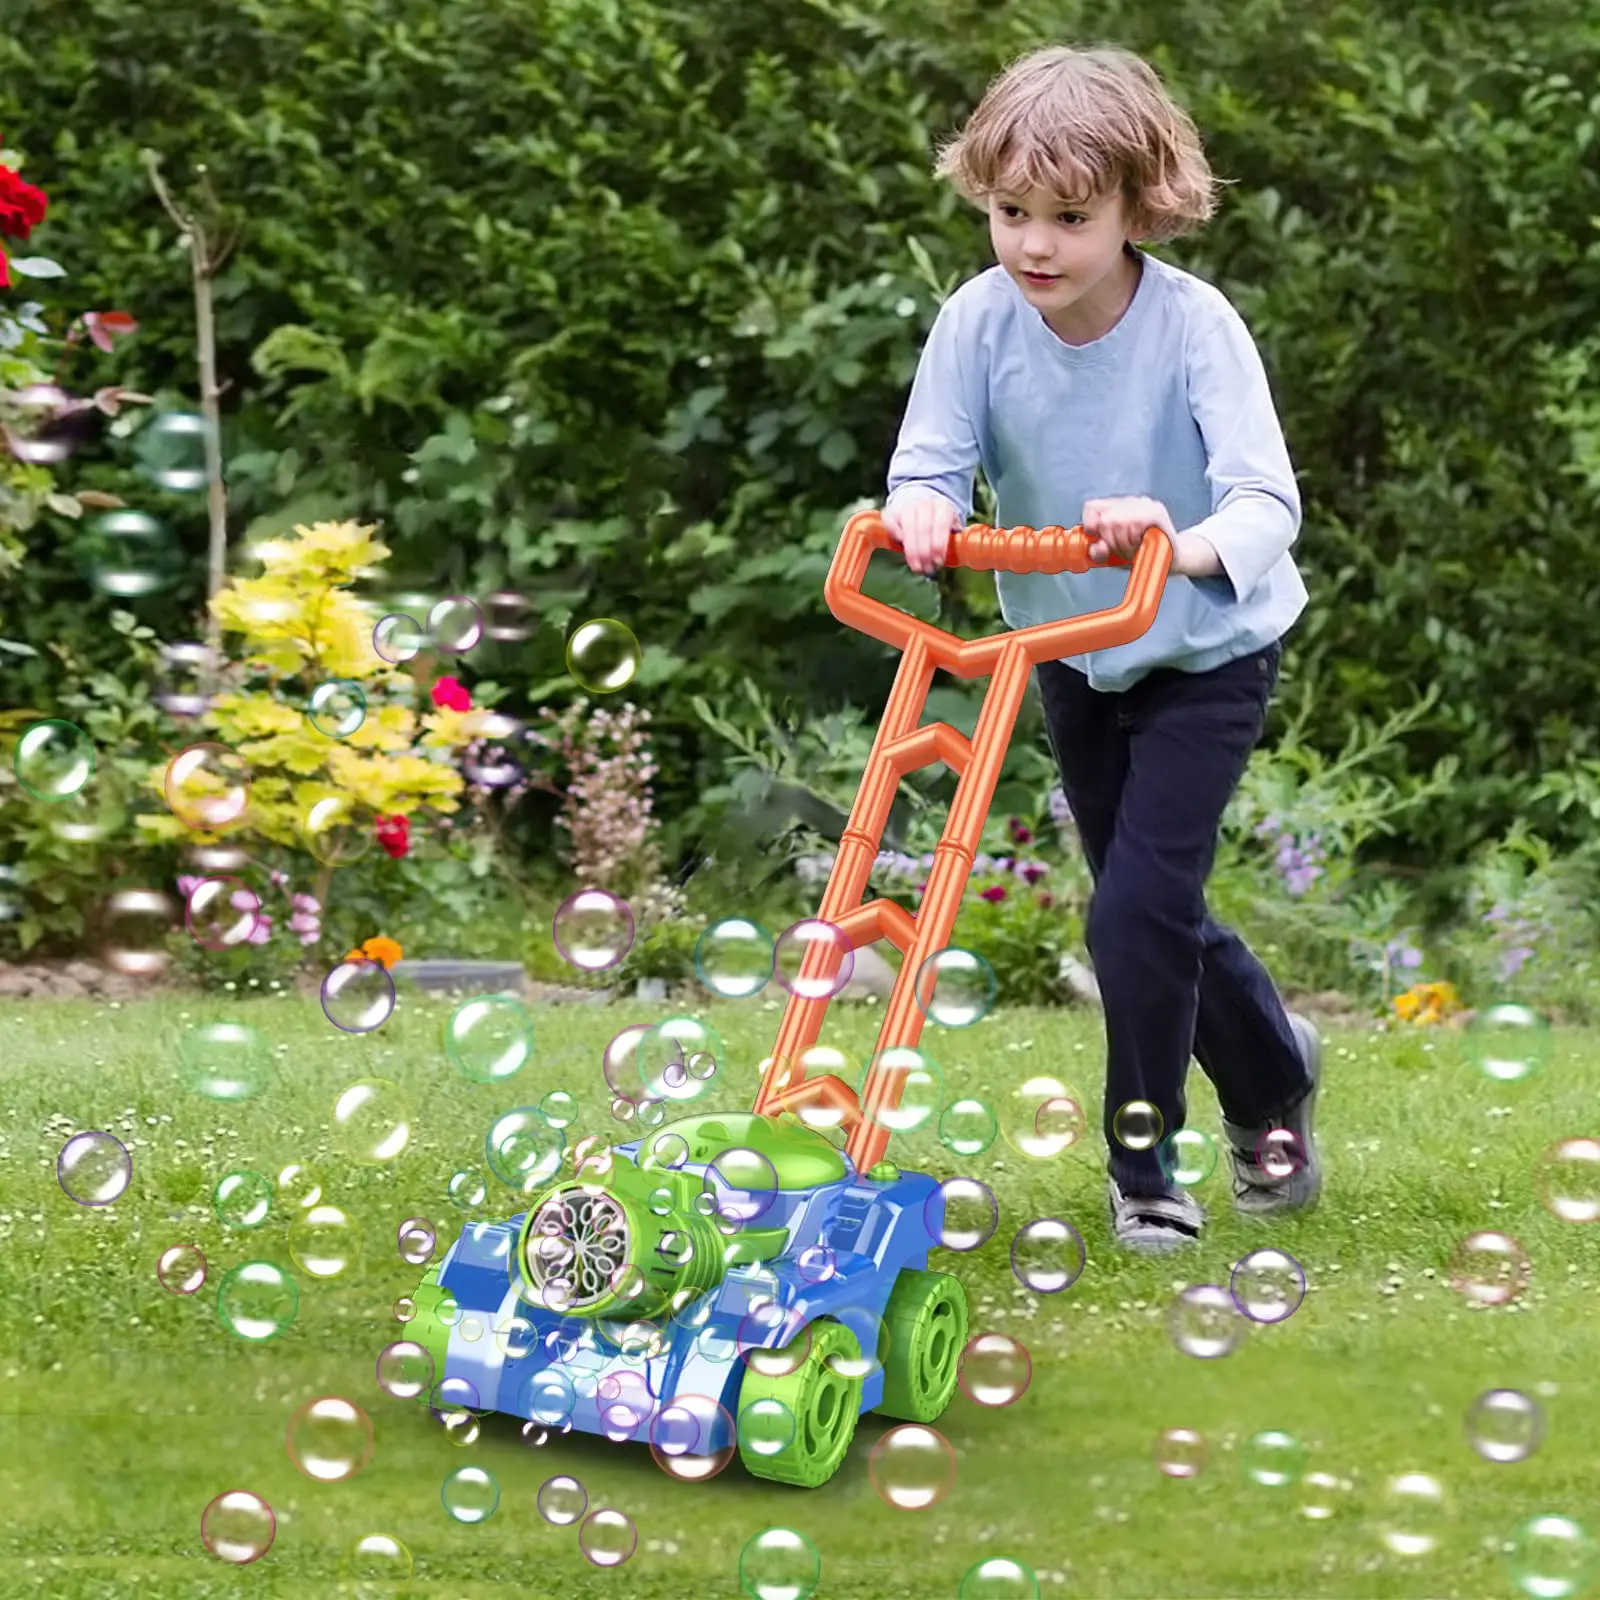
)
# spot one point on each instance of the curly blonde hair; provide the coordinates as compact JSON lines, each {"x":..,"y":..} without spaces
{"x":1077,"y":122}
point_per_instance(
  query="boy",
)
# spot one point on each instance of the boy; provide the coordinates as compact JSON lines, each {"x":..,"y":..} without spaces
{"x":1099,"y":385}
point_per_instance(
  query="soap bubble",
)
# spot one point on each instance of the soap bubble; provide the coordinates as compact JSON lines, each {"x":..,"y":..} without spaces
{"x":238,"y":1527}
{"x":455,"y":625}
{"x":489,"y":1038}
{"x":470,"y":1494}
{"x":607,"y":1537}
{"x":333,"y":830}
{"x":53,"y":759}
{"x":813,"y":959}
{"x":133,"y":930}
{"x":602,"y":656}
{"x":183,"y":679}
{"x":397,"y":638}
{"x":1280,"y":1153}
{"x":779,"y":1564}
{"x":1504,"y":1425}
{"x":962,"y":1214}
{"x":955,"y":987}
{"x":94,"y":1168}
{"x":242,"y":1200}
{"x":734,"y":958}
{"x":330,"y":1439}
{"x":507,"y":616}
{"x":324,"y":1241}
{"x":337,"y":708}
{"x":1180,"y":1452}
{"x":559,"y":1108}
{"x":1137,"y":1125}
{"x":911,"y":1467}
{"x":1413,"y":1513}
{"x":172,"y":451}
{"x":1489,"y":1268}
{"x":1268,"y":1285}
{"x":299,"y":1188}
{"x":743,"y":1183}
{"x":207,"y":786}
{"x":181,"y":1269}
{"x":1059,"y":1123}
{"x":523,"y":1149}
{"x":1321,"y":1496}
{"x":1020,"y":1117}
{"x":967,"y":1127}
{"x":766,"y":1427}
{"x":1508,"y":1041}
{"x":1047,"y":1255}
{"x":1568,"y":1180}
{"x":1551,"y":1557}
{"x":372,"y":1121}
{"x":358,"y":996}
{"x":1188,"y":1156}
{"x":995,"y":1369}
{"x":999,"y":1578}
{"x":223,"y":1060}
{"x":405,"y":1369}
{"x":416,"y":1240}
{"x":592,"y":930}
{"x":1204,"y":1321}
{"x":1272,"y":1458}
{"x":50,"y":424}
{"x":257,"y":1301}
{"x":562,"y":1500}
{"x":467,"y":1189}
{"x":680,"y":1435}
{"x":222,"y":913}
{"x":909,"y":1089}
{"x":677,"y":1059}
{"x":374,"y":1565}
{"x":127,"y":555}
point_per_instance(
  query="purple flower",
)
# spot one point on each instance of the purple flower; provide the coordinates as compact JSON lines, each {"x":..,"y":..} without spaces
{"x":307,"y":903}
{"x":278,"y":879}
{"x":262,"y":930}
{"x":1031,"y":872}
{"x":1060,"y":811}
{"x":243,"y":900}
{"x":994,"y":894}
{"x":188,"y":884}
{"x":1020,"y":832}
{"x":304,"y":922}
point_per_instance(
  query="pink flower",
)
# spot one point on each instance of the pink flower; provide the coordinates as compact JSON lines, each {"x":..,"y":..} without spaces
{"x":243,"y":900}
{"x":994,"y":894}
{"x":304,"y":922}
{"x":278,"y":879}
{"x":262,"y":930}
{"x":450,"y":695}
{"x":188,"y":884}
{"x":1031,"y":872}
{"x":307,"y":903}
{"x":1020,"y":832}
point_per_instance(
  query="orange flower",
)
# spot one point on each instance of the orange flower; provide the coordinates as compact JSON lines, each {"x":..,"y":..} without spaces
{"x":384,"y":951}
{"x":1426,"y":1004}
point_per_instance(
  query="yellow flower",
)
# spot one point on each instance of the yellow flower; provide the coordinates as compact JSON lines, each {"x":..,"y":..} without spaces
{"x":451,"y":730}
{"x":251,"y":716}
{"x":391,"y":728}
{"x":384,"y":951}
{"x":1426,"y":1004}
{"x":393,"y":783}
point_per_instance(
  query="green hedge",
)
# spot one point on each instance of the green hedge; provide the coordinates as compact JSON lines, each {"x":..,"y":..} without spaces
{"x":618,"y":305}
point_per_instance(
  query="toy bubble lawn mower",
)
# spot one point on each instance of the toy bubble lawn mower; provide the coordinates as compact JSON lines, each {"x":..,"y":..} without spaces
{"x":742,"y":1281}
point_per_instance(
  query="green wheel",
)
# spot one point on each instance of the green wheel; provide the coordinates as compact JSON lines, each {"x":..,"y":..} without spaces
{"x":926,"y":1327}
{"x":824,"y":1404}
{"x":426,"y":1328}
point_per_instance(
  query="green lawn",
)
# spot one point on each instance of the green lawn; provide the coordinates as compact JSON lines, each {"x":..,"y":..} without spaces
{"x":127,"y":1409}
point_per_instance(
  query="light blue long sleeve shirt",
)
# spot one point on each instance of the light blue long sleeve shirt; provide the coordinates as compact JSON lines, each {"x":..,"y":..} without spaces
{"x":1172,"y":403}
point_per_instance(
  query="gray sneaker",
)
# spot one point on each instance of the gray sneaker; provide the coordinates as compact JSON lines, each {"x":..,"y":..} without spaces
{"x":1256,"y":1192}
{"x":1154,"y":1224}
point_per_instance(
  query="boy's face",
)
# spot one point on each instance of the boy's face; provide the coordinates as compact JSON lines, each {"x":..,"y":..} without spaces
{"x":1075,"y":247}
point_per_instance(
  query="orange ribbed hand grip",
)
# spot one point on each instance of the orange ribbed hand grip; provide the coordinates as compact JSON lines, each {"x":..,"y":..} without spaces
{"x":903,"y":745}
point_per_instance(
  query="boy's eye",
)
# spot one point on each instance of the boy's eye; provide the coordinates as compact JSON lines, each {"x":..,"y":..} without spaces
{"x":1065,"y":216}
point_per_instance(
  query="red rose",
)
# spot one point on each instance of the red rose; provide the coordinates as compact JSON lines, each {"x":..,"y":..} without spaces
{"x":22,"y":209}
{"x":450,"y":695}
{"x":994,"y":894}
{"x":394,"y":834}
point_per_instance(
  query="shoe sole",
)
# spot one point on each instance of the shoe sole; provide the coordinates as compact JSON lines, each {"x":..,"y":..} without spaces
{"x":1267,"y":1203}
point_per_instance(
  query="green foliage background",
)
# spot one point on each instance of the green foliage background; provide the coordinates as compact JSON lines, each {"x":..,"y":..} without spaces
{"x":617,"y":305}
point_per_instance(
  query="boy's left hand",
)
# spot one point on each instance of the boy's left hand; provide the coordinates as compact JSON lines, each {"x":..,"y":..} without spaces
{"x":1117,"y":526}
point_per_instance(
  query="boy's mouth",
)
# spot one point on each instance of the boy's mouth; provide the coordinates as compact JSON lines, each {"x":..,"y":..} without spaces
{"x":1042,"y":278}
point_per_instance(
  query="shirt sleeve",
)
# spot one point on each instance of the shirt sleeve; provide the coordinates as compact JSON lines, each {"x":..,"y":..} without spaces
{"x":1255,"y":502}
{"x":938,"y":445}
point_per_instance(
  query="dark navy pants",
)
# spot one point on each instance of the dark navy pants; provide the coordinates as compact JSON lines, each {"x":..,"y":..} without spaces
{"x":1148,"y":773}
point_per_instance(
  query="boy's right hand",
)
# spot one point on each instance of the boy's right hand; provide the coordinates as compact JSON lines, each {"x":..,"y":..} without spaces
{"x":923,"y":526}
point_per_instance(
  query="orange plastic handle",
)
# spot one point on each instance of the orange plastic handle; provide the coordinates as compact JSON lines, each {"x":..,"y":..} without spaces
{"x":904,"y":744}
{"x":984,"y":549}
